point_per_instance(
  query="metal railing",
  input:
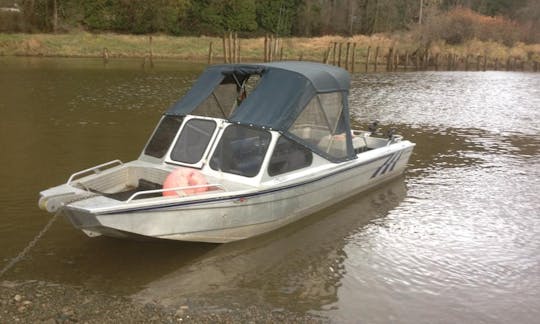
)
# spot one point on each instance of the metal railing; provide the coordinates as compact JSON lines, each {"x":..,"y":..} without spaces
{"x":96,"y":169}
{"x":148,"y":192}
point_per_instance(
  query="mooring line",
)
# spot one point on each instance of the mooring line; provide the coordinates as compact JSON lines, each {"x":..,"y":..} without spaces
{"x":30,"y":245}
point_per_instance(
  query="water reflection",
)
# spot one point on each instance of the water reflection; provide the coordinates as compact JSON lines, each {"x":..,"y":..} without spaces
{"x":451,"y":250}
{"x":299,"y":267}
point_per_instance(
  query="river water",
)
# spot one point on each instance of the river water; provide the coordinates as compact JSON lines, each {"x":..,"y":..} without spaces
{"x":456,"y":239}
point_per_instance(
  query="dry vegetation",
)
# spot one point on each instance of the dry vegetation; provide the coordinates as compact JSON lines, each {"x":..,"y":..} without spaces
{"x":83,"y":44}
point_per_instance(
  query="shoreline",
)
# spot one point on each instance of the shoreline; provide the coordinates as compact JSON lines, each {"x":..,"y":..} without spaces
{"x":34,"y":301}
{"x":385,"y":52}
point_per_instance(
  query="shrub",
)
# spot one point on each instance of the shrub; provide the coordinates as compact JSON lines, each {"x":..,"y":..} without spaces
{"x":461,"y":24}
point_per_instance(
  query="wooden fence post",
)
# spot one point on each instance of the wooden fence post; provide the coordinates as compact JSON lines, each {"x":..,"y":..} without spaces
{"x":224,"y":49}
{"x":239,"y":52}
{"x":235,"y":47}
{"x":105,"y":55}
{"x":270,"y":40}
{"x":375,"y":59}
{"x":210,"y":53}
{"x":339,"y":54}
{"x":151,"y":54}
{"x":265,"y":48}
{"x":347,"y":53}
{"x":334,"y":44}
{"x":275,"y":49}
{"x":367,"y":58}
{"x":229,"y":47}
{"x":389,"y":59}
{"x":326,"y":55}
{"x":353,"y":60}
{"x":406,"y":60}
{"x":396,"y":60}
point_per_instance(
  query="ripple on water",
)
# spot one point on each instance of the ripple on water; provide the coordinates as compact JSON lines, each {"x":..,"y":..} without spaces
{"x":464,"y":238}
{"x":461,"y":244}
{"x":494,"y":101}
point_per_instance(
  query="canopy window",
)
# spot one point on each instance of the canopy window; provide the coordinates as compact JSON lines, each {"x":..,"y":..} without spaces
{"x":321,"y":126}
{"x":217,"y":91}
{"x":288,"y":156}
{"x":228,"y":95}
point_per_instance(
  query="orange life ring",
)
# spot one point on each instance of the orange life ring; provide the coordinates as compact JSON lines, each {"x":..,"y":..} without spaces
{"x":184,"y":177}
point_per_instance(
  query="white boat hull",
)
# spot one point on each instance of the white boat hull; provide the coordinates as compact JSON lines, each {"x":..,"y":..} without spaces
{"x":232,"y":218}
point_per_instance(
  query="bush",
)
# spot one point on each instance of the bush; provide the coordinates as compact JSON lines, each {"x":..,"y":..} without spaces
{"x":460,"y":25}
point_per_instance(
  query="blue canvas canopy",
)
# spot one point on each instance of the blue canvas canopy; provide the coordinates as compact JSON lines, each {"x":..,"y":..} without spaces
{"x":282,"y":93}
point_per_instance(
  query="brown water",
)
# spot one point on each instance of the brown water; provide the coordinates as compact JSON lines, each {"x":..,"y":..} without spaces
{"x":457,"y":239}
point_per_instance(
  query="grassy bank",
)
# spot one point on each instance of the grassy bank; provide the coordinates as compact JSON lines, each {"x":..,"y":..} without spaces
{"x":83,"y":44}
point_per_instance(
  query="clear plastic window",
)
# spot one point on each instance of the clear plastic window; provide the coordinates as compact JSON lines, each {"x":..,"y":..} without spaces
{"x":163,"y":136}
{"x":193,"y":141}
{"x":311,"y":125}
{"x":241,"y":150}
{"x":332,"y":106}
{"x":288,"y":156}
{"x":227,"y":96}
{"x":220,"y":103}
{"x":321,"y":125}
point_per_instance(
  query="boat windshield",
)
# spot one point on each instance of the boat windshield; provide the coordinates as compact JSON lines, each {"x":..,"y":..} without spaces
{"x":163,"y":136}
{"x":241,"y":150}
{"x":193,"y":141}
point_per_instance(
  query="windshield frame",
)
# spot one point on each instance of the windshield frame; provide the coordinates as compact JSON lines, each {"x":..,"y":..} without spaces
{"x":244,"y":144}
{"x":209,"y":146}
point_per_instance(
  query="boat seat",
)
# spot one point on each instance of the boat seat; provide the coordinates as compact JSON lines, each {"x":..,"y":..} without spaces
{"x":359,"y":144}
{"x":142,"y":186}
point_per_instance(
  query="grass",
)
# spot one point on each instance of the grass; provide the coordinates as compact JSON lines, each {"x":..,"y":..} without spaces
{"x":84,"y":44}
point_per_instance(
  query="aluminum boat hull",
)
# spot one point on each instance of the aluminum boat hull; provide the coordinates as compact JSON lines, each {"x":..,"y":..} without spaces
{"x":236,"y":217}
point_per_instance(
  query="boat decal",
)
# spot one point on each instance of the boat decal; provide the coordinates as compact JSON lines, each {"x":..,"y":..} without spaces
{"x":395,"y":162}
{"x":382,"y":169}
{"x":389,"y":158}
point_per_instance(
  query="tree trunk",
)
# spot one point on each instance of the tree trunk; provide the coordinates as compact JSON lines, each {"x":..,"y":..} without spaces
{"x":55,"y":16}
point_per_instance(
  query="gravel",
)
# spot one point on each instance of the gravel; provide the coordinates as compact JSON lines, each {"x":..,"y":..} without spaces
{"x":43,"y":302}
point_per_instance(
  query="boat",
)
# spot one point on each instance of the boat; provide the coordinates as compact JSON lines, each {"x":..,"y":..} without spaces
{"x":250,"y":148}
